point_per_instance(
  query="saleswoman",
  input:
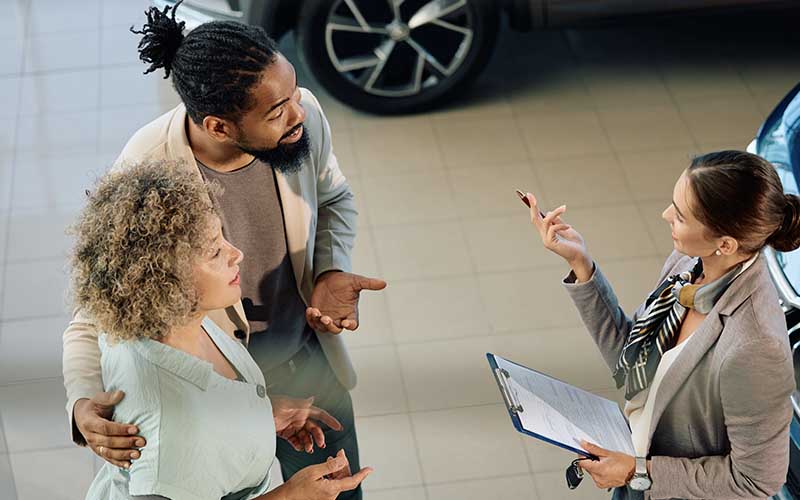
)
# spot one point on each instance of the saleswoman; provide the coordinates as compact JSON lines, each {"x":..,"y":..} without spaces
{"x":705,"y":361}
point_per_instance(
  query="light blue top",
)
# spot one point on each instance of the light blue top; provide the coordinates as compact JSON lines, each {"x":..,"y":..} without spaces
{"x":208,"y":437}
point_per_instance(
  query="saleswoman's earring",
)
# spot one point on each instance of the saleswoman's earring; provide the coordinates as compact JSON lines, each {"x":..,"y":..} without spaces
{"x":717,"y":253}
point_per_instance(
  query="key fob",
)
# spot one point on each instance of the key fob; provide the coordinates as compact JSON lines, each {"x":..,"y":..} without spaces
{"x":574,"y":475}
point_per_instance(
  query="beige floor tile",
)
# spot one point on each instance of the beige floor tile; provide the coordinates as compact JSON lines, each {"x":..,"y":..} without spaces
{"x":478,"y":142}
{"x":466,"y":443}
{"x":357,"y":187}
{"x":120,"y":47}
{"x":624,"y":83}
{"x":380,"y":384}
{"x":553,"y":485}
{"x":40,"y":234}
{"x":583,"y":182}
{"x":564,"y":134}
{"x":35,"y":289}
{"x":612,"y":232}
{"x":69,"y":473}
{"x":417,"y":493}
{"x":374,"y":324}
{"x":505,"y":488}
{"x":387,"y":146}
{"x":363,"y":256}
{"x":342,"y":141}
{"x":60,"y":92}
{"x":386,"y":443}
{"x":437,"y":309}
{"x":703,"y":78}
{"x":633,"y":279}
{"x":421,"y":251}
{"x":19,"y":361}
{"x":45,"y":181}
{"x":123,"y":12}
{"x":657,"y":227}
{"x":485,"y":100}
{"x":720,"y":120}
{"x":10,"y":88}
{"x":528,"y":300}
{"x":34,"y":416}
{"x":553,"y":92}
{"x":645,"y":128}
{"x":447,"y":374}
{"x":408,"y":198}
{"x":652,"y":175}
{"x":61,"y":51}
{"x":51,"y":16}
{"x":568,"y":354}
{"x":47,"y":132}
{"x":545,"y":457}
{"x":506,"y":243}
{"x":126,"y":86}
{"x":117,"y":125}
{"x":769,"y":75}
{"x":489,"y":189}
{"x":8,"y":489}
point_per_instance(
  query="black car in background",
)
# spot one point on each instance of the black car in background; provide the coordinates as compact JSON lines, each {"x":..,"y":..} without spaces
{"x":778,"y":141}
{"x":400,"y":56}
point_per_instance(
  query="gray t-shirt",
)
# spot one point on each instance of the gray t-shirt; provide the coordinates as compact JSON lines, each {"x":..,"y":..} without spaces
{"x":252,"y":219}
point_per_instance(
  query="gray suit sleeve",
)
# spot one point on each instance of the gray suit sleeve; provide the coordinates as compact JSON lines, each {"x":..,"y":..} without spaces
{"x":755,"y":384}
{"x":336,"y":208}
{"x":601,"y":313}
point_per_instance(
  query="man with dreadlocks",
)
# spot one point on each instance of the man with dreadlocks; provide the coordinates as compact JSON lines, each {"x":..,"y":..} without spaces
{"x":245,"y":124}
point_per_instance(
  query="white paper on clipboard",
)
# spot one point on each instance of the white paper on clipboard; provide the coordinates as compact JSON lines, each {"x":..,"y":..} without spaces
{"x":564,"y":413}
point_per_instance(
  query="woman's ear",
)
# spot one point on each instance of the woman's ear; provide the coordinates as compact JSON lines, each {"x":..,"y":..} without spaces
{"x":728,"y":245}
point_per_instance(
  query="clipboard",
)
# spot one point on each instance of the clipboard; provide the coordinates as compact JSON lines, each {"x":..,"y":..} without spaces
{"x":515,"y":407}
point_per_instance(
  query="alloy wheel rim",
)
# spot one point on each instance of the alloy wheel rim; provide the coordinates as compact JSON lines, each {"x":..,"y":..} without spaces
{"x":398,"y":48}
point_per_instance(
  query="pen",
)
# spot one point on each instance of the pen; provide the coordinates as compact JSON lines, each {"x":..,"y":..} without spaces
{"x":527,"y":203}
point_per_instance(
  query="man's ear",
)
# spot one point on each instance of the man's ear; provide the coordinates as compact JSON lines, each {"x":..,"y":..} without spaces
{"x":218,"y":128}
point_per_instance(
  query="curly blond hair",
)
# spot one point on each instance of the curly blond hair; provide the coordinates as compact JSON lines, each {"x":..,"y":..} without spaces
{"x":136,"y":241}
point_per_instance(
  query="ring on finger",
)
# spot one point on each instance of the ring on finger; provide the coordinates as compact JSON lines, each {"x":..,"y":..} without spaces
{"x":100,"y":450}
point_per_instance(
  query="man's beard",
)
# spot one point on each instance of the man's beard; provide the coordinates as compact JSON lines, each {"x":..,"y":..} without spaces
{"x":285,"y":158}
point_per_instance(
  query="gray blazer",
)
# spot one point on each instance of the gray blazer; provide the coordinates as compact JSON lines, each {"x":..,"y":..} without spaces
{"x":721,"y":420}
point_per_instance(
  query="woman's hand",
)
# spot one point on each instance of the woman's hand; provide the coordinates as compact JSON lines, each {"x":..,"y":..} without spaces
{"x":323,"y":481}
{"x":298,"y":422}
{"x":560,"y":238}
{"x":613,"y":470}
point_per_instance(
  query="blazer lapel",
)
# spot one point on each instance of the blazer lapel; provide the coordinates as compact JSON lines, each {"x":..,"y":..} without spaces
{"x":296,"y":217}
{"x":706,"y":336}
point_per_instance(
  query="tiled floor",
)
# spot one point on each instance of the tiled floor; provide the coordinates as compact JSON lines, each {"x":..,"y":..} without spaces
{"x":600,"y":119}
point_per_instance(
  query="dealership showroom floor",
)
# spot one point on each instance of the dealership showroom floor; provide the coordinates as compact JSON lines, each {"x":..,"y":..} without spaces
{"x":600,"y":119}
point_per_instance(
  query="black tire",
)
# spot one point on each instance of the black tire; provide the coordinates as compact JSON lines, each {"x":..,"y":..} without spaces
{"x":311,"y":40}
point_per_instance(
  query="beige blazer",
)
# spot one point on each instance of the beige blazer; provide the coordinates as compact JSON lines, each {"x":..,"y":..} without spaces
{"x":720,"y":425}
{"x":320,"y":219}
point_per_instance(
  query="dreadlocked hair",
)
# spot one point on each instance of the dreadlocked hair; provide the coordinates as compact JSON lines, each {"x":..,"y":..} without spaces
{"x":213,"y":67}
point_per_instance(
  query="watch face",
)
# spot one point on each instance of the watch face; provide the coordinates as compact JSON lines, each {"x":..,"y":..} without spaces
{"x":640,"y":483}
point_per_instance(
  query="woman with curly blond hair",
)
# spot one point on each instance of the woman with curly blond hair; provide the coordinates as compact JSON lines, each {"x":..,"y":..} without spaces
{"x":150,"y":263}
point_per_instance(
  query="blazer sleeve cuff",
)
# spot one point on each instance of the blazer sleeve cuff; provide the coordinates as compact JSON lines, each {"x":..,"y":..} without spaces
{"x":665,"y":473}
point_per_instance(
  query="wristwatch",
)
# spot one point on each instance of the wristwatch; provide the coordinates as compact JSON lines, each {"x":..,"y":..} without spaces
{"x":641,"y":479}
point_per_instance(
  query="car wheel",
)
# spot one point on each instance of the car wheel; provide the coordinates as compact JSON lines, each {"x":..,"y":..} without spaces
{"x":396,"y":56}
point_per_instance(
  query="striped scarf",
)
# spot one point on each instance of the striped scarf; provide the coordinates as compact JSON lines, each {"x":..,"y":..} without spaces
{"x":657,"y":330}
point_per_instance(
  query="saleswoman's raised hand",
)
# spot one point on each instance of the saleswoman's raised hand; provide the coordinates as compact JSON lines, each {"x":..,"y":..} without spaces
{"x":559,"y":237}
{"x":320,"y":482}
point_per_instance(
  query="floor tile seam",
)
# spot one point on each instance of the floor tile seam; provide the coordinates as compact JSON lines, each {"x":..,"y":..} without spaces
{"x":449,"y":482}
{"x":5,"y":241}
{"x":490,"y":335}
{"x":22,"y":73}
{"x":43,"y":380}
{"x":467,"y":218}
{"x":31,"y":451}
{"x":526,"y":269}
{"x":8,"y":455}
{"x":411,"y":427}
